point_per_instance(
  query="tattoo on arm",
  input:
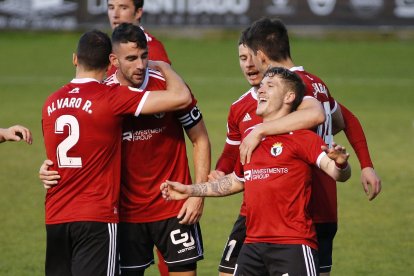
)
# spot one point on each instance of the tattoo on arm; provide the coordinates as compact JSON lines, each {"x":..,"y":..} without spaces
{"x":222,"y":186}
{"x":219,"y":187}
{"x":199,"y":189}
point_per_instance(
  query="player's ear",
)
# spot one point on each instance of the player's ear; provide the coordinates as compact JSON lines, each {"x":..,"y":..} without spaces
{"x":290,"y":96}
{"x":114,"y":60}
{"x":138,"y":15}
{"x":262,"y":57}
{"x":75,"y":59}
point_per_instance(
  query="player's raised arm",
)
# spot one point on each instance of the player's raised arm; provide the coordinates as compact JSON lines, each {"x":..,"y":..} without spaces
{"x":177,"y":96}
{"x":224,"y":186}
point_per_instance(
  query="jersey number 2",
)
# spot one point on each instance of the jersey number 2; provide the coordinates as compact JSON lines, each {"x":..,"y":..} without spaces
{"x":61,"y":152}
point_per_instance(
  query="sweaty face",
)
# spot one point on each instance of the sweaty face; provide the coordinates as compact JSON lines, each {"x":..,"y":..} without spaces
{"x":270,"y":97}
{"x":123,"y":11}
{"x":247,"y":66}
{"x":132,"y":63}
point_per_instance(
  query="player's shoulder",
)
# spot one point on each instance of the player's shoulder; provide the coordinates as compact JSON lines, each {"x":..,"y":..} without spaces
{"x":111,"y":80}
{"x":154,"y":74}
{"x":248,"y":96}
{"x":306,"y":76}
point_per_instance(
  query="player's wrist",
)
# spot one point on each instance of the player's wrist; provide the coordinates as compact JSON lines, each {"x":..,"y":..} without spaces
{"x":342,"y":166}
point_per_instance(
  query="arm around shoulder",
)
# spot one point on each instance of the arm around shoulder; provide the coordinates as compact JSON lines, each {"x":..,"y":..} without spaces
{"x":176,"y":96}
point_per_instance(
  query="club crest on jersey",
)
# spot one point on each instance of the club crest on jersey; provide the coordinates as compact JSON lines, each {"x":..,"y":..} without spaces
{"x":159,"y":115}
{"x":276,"y":149}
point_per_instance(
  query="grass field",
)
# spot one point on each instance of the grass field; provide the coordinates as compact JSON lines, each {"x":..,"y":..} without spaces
{"x":372,"y":77}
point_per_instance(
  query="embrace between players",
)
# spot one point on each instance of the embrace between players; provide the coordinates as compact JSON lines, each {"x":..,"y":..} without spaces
{"x":109,"y":156}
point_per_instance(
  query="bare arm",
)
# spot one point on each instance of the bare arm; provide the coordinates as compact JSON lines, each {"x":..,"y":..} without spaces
{"x":16,"y":133}
{"x":192,"y":209}
{"x":226,"y":185}
{"x":335,"y":163}
{"x":309,"y":114}
{"x":176,"y":96}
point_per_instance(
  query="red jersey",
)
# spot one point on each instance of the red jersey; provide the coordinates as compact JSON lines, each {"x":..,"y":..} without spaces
{"x":153,"y":150}
{"x":156,"y":51}
{"x":278,"y":189}
{"x":82,"y":124}
{"x":323,"y":205}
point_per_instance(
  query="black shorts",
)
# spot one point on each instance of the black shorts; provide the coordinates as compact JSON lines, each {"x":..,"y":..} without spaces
{"x":233,"y":246}
{"x":265,"y":259}
{"x":179,"y":244}
{"x":326,"y":234}
{"x":81,"y":249}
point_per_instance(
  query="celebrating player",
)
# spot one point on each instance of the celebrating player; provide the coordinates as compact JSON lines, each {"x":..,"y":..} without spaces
{"x":82,"y":124}
{"x":280,"y":237}
{"x":269,"y":33}
{"x":145,"y":217}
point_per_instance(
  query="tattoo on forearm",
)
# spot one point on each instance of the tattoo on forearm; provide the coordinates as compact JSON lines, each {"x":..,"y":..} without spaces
{"x":219,"y":187}
{"x":199,"y":189}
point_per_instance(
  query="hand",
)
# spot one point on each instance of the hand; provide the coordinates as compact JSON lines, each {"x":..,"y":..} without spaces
{"x":215,"y":174}
{"x":249,"y":144}
{"x":191,"y":211}
{"x":370,"y":178}
{"x":48,"y":178}
{"x":174,"y":190}
{"x":17,"y":133}
{"x":337,"y":153}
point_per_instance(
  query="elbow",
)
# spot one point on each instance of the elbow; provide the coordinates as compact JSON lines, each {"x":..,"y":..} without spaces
{"x":319,"y":118}
{"x":185,"y":99}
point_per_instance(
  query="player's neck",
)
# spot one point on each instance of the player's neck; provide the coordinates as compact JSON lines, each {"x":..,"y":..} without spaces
{"x":287,"y":63}
{"x":94,"y":74}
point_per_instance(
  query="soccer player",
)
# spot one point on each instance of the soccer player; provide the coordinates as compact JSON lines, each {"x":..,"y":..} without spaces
{"x":281,"y":239}
{"x":327,"y":231}
{"x":146,"y":219}
{"x":130,"y":11}
{"x":16,"y":133}
{"x":82,"y":124}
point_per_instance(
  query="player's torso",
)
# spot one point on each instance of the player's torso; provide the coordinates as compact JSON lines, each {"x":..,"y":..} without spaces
{"x":277,"y":192}
{"x":153,"y":150}
{"x":81,"y":138}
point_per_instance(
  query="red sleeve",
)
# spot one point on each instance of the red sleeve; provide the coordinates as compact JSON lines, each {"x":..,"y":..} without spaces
{"x":228,"y":158}
{"x":356,"y":137}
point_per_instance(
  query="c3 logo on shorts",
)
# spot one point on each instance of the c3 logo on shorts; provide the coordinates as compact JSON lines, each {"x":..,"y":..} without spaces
{"x":184,"y":238}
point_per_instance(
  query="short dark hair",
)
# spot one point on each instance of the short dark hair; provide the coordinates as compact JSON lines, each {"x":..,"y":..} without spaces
{"x":292,"y":82}
{"x":271,"y":37}
{"x":242,"y":39}
{"x":138,"y":4}
{"x":127,"y":32}
{"x":94,"y":48}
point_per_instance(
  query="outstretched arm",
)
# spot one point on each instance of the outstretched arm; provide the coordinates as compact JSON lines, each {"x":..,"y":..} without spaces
{"x":226,"y":185}
{"x":16,"y":133}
